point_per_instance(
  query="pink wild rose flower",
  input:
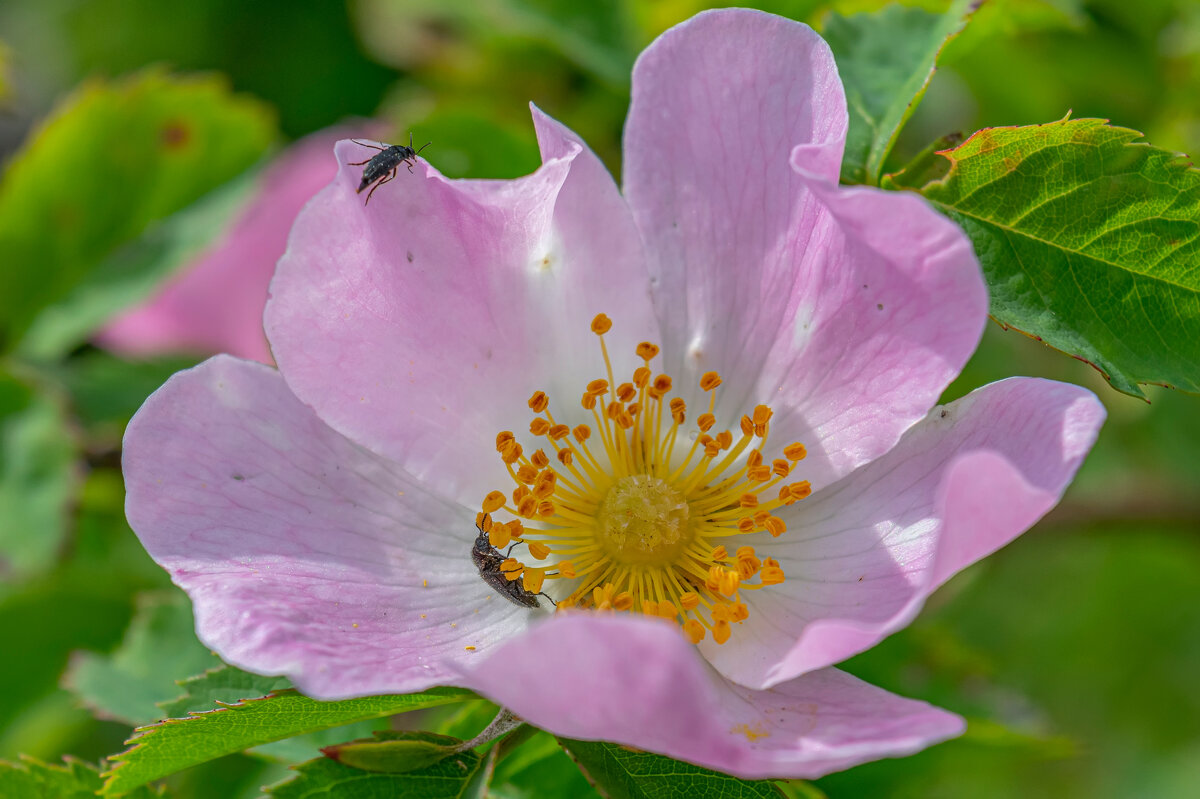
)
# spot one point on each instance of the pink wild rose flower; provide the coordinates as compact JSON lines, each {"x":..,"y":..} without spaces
{"x":703,"y":404}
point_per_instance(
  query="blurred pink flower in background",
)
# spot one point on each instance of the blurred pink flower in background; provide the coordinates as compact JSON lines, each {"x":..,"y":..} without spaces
{"x":216,"y":303}
{"x":321,"y":517}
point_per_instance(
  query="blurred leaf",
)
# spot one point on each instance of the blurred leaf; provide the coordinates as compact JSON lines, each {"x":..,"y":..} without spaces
{"x":471,"y":145}
{"x":159,"y":646}
{"x":5,"y":74}
{"x":452,"y":778}
{"x":176,"y":744}
{"x":32,"y":779}
{"x":619,"y":772}
{"x":114,"y":158}
{"x":38,"y":474}
{"x":1088,"y":242}
{"x":132,"y":273}
{"x":594,"y":35}
{"x":538,"y":768}
{"x":394,"y":752}
{"x":885,"y":61}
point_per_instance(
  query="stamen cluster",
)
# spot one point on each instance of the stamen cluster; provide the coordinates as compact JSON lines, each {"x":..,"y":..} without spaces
{"x":630,"y":522}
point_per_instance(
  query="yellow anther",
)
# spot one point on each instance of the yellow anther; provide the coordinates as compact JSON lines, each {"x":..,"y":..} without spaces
{"x":582,"y":433}
{"x":626,"y":392}
{"x":744,"y":552}
{"x":559,"y":431}
{"x":740,"y":612}
{"x":762,"y":414}
{"x":800,"y":490}
{"x":709,"y":381}
{"x":534,"y":578}
{"x":759,"y":474}
{"x":662,"y":385}
{"x":623,"y":601}
{"x":721,"y":632}
{"x":694,"y":630}
{"x":646,"y":350}
{"x":613,"y":410}
{"x":502,"y":439}
{"x":512,"y":453}
{"x":795,"y":451}
{"x":625,"y":419}
{"x":712,"y":449}
{"x":781,"y":467}
{"x":602,"y":595}
{"x":516,"y":529}
{"x":588,"y":401}
{"x":705,"y":421}
{"x":566,"y":569}
{"x":745,"y":524}
{"x":649,"y":607}
{"x":499,"y":535}
{"x":526,"y":474}
{"x":730,"y":580}
{"x":641,"y":376}
{"x":538,"y":402}
{"x":775,"y":526}
{"x":760,"y":516}
{"x":721,"y":612}
{"x":539,"y":427}
{"x":519,"y":493}
{"x":483,"y":521}
{"x":565,"y":456}
{"x":493,"y":501}
{"x":747,"y":425}
{"x":545,"y":509}
{"x":713,"y":581}
{"x":601,"y":324}
{"x":724,"y":439}
{"x":748,"y":567}
{"x":770,"y":562}
{"x":543,"y":490}
{"x":704,"y":440}
{"x":527,"y":507}
{"x":689,"y":600}
{"x":511,"y":569}
{"x":678,"y":410}
{"x":719,"y":553}
{"x":755,"y":458}
{"x":771,"y":575}
{"x":597,"y":386}
{"x":539,"y":459}
{"x":748,"y":501}
{"x":667,"y":610}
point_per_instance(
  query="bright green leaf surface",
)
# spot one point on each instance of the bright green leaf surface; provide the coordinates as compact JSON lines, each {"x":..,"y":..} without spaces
{"x":225,"y":685}
{"x":1088,"y":242}
{"x":113,"y":159}
{"x":623,"y":773}
{"x":176,"y":744}
{"x":159,"y":646}
{"x":538,"y":768}
{"x":38,"y":472}
{"x":32,"y":779}
{"x":395,"y":752}
{"x":327,"y":779}
{"x":885,"y":60}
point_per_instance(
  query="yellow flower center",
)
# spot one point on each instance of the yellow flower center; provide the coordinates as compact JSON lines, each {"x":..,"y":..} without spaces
{"x":627,"y":520}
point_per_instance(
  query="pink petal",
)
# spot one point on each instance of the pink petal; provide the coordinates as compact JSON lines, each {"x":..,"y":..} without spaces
{"x":420,"y":324}
{"x":216,"y":305}
{"x":848,"y":311}
{"x":636,"y":681}
{"x":862,"y":555}
{"x":303,"y":553}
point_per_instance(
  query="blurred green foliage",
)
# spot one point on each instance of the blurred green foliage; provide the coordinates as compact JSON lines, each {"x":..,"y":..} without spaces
{"x":1074,"y":652}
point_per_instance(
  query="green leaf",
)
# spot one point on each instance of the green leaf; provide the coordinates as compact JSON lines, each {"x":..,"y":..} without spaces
{"x":224,"y":685}
{"x":114,"y":158}
{"x":456,"y":777}
{"x":176,"y":744}
{"x":539,"y":767}
{"x":33,"y":779}
{"x":1089,"y":242}
{"x":886,"y":60}
{"x":160,"y":644}
{"x":39,"y":471}
{"x":619,"y":772}
{"x":131,"y":274}
{"x":394,"y":752}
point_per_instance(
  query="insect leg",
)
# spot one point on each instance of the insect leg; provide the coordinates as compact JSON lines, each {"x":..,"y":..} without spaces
{"x":364,"y":144}
{"x":389,"y":176}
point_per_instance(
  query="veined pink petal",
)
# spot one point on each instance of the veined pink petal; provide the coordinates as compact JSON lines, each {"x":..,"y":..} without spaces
{"x":637,"y":682}
{"x":304,"y":554}
{"x":216,"y":304}
{"x":847,"y":311}
{"x":862,"y":555}
{"x":420,"y":324}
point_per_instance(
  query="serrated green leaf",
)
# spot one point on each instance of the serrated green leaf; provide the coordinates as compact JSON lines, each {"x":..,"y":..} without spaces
{"x":33,"y":779}
{"x":452,"y":778}
{"x":619,"y":772}
{"x":160,"y":644}
{"x":38,"y":473}
{"x":394,"y":752}
{"x":1089,"y":242}
{"x":886,"y":60}
{"x":114,"y":158}
{"x":176,"y":744}
{"x":224,"y":685}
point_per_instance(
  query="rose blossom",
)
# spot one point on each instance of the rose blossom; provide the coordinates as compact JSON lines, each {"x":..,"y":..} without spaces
{"x":737,"y":305}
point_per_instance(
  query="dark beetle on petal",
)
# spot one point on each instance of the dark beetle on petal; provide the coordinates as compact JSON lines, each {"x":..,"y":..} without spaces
{"x":488,"y":560}
{"x":382,"y":168}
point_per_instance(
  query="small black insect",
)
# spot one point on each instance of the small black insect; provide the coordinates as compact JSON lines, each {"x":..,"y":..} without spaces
{"x":382,"y":168}
{"x":488,"y":559}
